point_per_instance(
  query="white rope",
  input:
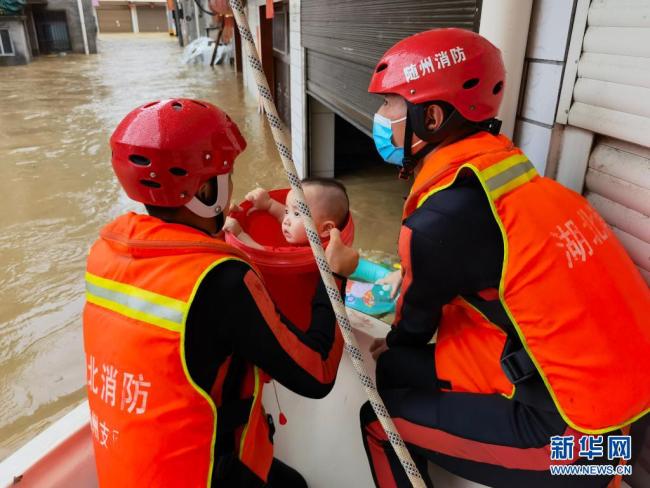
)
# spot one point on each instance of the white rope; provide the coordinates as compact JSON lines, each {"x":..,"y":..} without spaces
{"x":281,"y":141}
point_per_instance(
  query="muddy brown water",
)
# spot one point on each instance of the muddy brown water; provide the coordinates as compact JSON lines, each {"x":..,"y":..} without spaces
{"x":57,"y":190}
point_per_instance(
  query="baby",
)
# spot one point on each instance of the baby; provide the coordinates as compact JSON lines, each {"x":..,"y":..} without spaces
{"x":326,"y":197}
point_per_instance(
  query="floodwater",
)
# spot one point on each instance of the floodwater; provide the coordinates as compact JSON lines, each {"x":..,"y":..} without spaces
{"x":58,"y":190}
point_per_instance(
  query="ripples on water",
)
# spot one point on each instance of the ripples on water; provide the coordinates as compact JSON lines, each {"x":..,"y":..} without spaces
{"x":58,"y":189}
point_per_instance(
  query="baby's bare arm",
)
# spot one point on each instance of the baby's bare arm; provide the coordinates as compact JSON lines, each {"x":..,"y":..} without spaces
{"x":232,"y":225}
{"x":277,"y":210}
{"x":261,"y":200}
{"x":249,"y":241}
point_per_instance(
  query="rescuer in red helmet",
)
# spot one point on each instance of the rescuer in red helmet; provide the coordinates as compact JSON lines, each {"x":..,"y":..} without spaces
{"x":542,"y":323}
{"x":179,"y":332}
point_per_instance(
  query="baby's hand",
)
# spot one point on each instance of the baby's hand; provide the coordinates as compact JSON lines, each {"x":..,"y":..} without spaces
{"x":394,"y":279}
{"x":343,"y":260}
{"x":260,"y":199}
{"x":231,"y":225}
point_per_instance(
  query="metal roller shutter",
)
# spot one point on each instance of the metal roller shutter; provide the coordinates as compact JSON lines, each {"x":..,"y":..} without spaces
{"x":152,"y":18}
{"x":114,"y":18}
{"x":611,"y":97}
{"x":345,"y":39}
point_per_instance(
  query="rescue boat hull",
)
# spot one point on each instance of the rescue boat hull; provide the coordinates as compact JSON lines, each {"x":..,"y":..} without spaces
{"x":321,"y":439}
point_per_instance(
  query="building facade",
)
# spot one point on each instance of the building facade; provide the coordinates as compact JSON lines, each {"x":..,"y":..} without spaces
{"x":576,"y":90}
{"x":133,"y":16}
{"x":47,"y":27}
{"x":15,"y":46}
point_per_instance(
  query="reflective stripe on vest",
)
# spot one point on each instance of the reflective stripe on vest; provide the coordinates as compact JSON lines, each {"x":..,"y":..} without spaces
{"x":498,"y":179}
{"x":136,"y":303}
{"x":508,"y":175}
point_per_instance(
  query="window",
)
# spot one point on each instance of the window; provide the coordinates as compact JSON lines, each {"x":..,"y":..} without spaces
{"x":6,"y":48}
{"x":281,"y":28}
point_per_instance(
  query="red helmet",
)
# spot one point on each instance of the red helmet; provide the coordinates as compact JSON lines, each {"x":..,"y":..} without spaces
{"x":164,"y":151}
{"x":452,"y":65}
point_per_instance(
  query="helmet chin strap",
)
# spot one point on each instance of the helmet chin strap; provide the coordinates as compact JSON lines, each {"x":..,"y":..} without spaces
{"x":453,"y":127}
{"x":199,"y":208}
{"x":410,"y":161}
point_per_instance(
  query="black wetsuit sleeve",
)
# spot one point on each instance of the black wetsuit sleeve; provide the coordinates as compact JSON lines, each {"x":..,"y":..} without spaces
{"x":450,"y":246}
{"x":239,"y":316}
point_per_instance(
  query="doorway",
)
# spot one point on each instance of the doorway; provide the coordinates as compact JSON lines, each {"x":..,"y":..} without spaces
{"x":52,"y":31}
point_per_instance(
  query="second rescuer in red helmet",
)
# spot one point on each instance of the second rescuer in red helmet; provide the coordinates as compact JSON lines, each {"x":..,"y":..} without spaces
{"x":535,"y":342}
{"x":179,"y":326}
{"x":465,"y":79}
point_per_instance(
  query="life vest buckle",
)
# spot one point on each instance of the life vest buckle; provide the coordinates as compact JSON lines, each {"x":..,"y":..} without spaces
{"x":517,"y":366}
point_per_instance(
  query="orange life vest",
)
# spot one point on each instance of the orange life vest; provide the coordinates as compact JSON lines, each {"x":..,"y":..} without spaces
{"x":468,"y":351}
{"x":578,"y":304}
{"x":152,"y":424}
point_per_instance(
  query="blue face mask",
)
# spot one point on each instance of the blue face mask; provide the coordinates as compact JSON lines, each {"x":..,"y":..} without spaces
{"x":382,"y":134}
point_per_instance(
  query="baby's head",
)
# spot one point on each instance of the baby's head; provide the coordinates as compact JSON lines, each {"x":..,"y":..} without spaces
{"x":329,"y":206}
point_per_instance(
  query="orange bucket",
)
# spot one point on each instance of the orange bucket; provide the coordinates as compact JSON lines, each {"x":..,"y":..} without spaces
{"x":290,"y":272}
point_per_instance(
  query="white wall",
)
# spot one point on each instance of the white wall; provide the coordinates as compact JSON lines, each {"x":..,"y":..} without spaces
{"x":322,"y":141}
{"x":252,"y":11}
{"x":545,"y":59}
{"x":298,"y":95}
{"x":505,"y":23}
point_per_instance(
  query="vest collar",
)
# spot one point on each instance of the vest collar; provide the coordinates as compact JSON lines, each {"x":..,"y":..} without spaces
{"x":448,"y":159}
{"x":146,"y":236}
